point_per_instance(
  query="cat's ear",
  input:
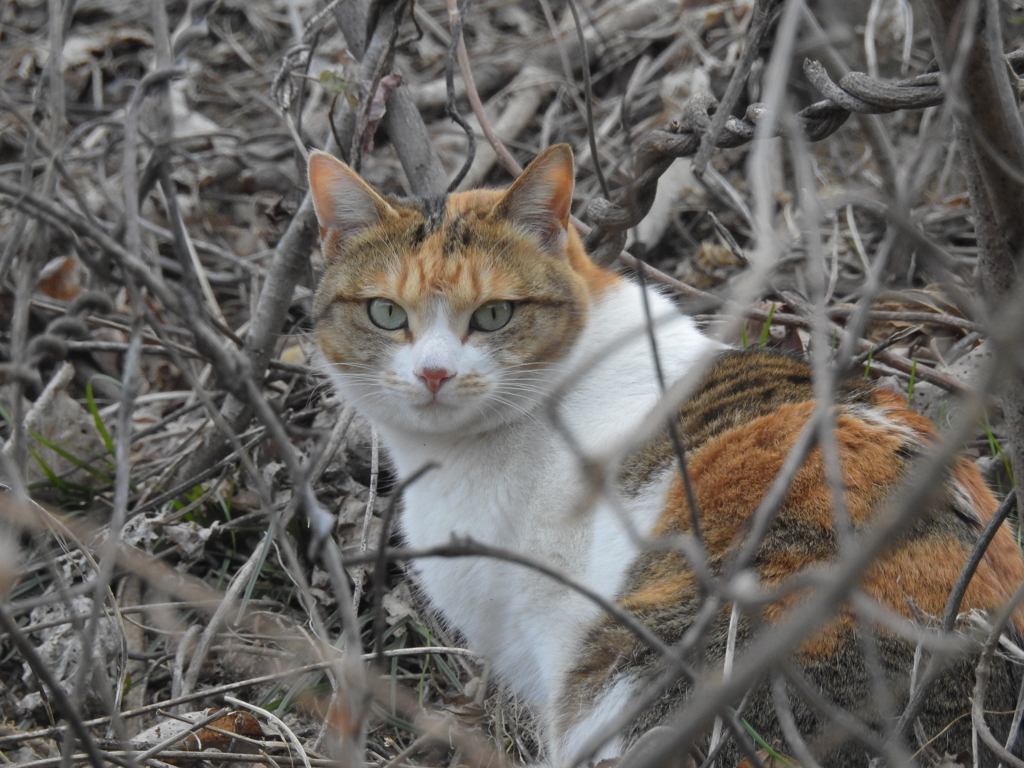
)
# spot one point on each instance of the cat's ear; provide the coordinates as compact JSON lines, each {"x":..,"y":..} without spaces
{"x":540,"y":199}
{"x":343,"y":201}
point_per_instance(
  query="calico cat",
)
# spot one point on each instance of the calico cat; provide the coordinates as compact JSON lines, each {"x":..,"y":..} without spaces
{"x":475,"y":333}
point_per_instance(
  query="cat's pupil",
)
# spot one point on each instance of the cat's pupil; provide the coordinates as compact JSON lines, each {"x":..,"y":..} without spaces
{"x":492,"y":316}
{"x":386,"y":314}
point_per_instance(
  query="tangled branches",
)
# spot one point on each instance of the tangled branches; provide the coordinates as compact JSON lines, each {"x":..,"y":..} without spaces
{"x":855,"y":93}
{"x":187,"y":335}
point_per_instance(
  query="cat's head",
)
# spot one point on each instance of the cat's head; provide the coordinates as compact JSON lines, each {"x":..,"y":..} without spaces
{"x":448,"y":314}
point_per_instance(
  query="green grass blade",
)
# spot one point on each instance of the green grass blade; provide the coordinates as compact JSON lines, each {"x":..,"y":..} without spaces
{"x":764,"y":744}
{"x":72,"y":458}
{"x":97,"y":419}
{"x":767,"y":325}
{"x":867,"y":363}
{"x":50,"y":474}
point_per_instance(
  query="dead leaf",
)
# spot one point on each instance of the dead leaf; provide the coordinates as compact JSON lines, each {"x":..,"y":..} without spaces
{"x":81,"y":48}
{"x":61,"y":278}
{"x":294,"y":353}
{"x":219,"y":734}
{"x":398,"y":603}
{"x":189,"y":538}
{"x":60,"y":646}
{"x":378,"y":106}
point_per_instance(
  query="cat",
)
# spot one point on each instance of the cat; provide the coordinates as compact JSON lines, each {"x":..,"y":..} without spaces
{"x":474,"y":332}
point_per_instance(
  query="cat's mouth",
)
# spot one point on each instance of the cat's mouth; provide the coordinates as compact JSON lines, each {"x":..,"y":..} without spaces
{"x":433,"y":401}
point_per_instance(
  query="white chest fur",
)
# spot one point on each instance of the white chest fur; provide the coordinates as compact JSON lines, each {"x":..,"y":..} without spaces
{"x":521,"y":487}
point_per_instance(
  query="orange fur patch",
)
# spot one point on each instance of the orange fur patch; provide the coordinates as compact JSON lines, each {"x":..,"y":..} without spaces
{"x":756,"y":452}
{"x":661,"y":593}
{"x":733,"y":471}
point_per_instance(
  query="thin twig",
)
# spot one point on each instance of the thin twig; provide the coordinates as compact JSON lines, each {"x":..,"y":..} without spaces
{"x":588,"y":98}
{"x":982,"y":674}
{"x":278,"y":722}
{"x":504,"y":156}
{"x":450,"y":107}
{"x":371,"y":498}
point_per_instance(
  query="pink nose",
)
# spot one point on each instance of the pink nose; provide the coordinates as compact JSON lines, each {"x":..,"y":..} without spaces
{"x":435,"y":377}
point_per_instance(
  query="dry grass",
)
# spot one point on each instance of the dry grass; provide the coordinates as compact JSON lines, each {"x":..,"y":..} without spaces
{"x":113,"y":379}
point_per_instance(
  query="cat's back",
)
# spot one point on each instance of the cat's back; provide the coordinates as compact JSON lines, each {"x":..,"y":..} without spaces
{"x":739,"y":427}
{"x":743,"y":422}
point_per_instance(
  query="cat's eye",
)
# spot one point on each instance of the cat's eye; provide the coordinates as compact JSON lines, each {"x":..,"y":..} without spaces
{"x":491,"y":316}
{"x":385,"y":314}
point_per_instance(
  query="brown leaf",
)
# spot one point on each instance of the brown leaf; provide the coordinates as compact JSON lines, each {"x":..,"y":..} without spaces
{"x":218,"y":734}
{"x":378,"y":106}
{"x":61,"y":278}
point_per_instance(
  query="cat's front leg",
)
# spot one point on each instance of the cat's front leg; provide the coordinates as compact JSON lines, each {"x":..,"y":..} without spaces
{"x":585,"y":714}
{"x":644,"y":752}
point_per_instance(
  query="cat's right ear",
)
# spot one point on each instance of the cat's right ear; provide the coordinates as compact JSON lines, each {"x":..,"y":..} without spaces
{"x":343,"y":201}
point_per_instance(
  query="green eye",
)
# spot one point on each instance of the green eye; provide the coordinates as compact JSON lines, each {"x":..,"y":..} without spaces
{"x":491,"y":316}
{"x":385,"y":314}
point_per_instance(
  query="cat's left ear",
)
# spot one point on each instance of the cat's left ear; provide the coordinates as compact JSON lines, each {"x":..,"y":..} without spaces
{"x":343,"y":201}
{"x":540,"y":199}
